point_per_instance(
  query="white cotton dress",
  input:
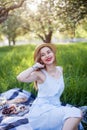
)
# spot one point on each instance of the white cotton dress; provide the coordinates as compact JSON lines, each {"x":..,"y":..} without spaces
{"x":47,"y":113}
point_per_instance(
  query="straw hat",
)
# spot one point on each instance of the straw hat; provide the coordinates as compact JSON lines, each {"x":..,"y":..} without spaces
{"x":37,"y":49}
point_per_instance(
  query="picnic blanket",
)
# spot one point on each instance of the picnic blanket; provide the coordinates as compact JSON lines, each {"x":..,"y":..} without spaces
{"x":14,"y":115}
{"x":16,"y":120}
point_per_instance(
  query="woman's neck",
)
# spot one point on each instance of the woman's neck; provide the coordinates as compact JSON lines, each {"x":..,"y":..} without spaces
{"x":51,"y":68}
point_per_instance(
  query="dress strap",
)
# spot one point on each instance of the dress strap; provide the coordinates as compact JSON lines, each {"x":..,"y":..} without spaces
{"x":60,"y":69}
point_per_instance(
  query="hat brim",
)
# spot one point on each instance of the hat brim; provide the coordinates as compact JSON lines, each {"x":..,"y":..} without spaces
{"x":37,"y":49}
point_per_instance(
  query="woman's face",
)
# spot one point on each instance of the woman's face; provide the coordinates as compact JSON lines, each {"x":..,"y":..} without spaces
{"x":47,"y":56}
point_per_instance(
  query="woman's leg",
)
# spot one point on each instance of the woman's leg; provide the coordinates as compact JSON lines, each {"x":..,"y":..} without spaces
{"x":71,"y":124}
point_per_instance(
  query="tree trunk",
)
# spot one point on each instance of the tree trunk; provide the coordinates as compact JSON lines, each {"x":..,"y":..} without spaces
{"x":47,"y":38}
{"x":13,"y":40}
{"x":9,"y":41}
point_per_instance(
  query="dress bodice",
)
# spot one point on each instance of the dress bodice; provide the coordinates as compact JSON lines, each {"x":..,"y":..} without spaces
{"x":51,"y":86}
{"x":49,"y":92}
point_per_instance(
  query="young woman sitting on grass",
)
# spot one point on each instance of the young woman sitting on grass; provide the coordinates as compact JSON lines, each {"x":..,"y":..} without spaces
{"x":46,"y":112}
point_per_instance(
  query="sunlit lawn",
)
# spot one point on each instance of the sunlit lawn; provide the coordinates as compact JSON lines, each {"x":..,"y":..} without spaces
{"x":73,"y":58}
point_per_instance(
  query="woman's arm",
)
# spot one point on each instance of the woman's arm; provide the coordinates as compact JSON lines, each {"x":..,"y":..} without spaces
{"x":27,"y":75}
{"x":30,"y":74}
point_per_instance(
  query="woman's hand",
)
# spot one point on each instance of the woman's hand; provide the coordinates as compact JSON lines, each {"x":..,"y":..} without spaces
{"x":37,"y":66}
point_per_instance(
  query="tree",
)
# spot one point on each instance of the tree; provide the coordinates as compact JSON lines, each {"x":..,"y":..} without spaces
{"x":43,"y":22}
{"x":12,"y":27}
{"x":6,"y":6}
{"x":55,"y":15}
{"x":75,"y":12}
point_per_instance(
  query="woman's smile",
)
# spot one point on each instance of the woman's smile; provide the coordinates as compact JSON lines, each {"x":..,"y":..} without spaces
{"x":49,"y":59}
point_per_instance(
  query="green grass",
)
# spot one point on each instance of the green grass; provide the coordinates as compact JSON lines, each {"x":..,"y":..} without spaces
{"x":73,"y":58}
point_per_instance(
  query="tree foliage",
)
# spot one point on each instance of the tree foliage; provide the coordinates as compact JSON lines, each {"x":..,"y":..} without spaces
{"x":8,"y":5}
{"x":55,"y":15}
{"x":49,"y":17}
{"x":75,"y":12}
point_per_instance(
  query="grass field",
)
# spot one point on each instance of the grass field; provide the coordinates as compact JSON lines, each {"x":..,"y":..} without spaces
{"x":73,"y":58}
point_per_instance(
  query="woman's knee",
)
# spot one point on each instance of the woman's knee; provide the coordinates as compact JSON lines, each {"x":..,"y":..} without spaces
{"x":79,"y":119}
{"x":71,"y":123}
{"x":74,"y":120}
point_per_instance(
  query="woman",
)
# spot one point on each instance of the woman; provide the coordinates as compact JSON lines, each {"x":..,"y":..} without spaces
{"x":47,"y":113}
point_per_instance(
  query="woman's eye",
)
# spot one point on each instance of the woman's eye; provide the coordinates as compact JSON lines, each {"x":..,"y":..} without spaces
{"x":49,"y":52}
{"x":42,"y":55}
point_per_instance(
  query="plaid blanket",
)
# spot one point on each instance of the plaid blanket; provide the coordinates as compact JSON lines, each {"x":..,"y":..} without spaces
{"x":19,"y":120}
{"x":15,"y":115}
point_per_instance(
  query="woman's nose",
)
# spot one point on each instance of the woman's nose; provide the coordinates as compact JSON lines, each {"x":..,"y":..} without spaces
{"x":47,"y":55}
